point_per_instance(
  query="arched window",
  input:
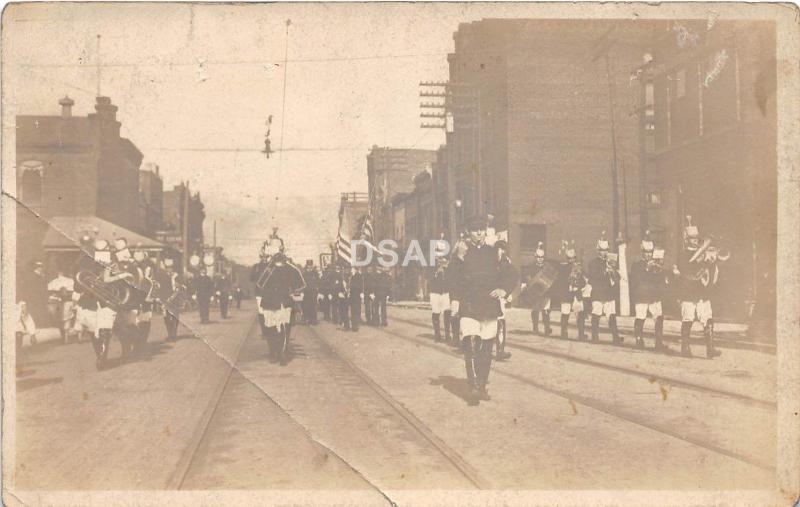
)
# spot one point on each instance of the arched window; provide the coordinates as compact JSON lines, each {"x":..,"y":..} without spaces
{"x":30,"y":180}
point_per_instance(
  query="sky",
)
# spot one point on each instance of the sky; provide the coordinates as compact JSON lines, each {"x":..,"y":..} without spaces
{"x":195,"y":85}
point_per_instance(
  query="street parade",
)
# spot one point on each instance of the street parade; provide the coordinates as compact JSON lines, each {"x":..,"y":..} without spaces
{"x":386,"y":258}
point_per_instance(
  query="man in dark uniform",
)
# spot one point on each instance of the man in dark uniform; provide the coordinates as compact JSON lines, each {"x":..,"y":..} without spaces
{"x":698,"y":272}
{"x":237,"y":294}
{"x":326,"y":292}
{"x":203,"y":288}
{"x":383,"y":288}
{"x":284,"y":282}
{"x":484,"y":282}
{"x":568,"y":288}
{"x":310,"y":293}
{"x":453,"y":277}
{"x":369,"y":295}
{"x":502,"y":330}
{"x":604,"y":279}
{"x":356,"y":296}
{"x":223,"y":293}
{"x":341,"y":298}
{"x":543,"y":302}
{"x":440,"y":299}
{"x":170,"y":291}
{"x":648,"y":288}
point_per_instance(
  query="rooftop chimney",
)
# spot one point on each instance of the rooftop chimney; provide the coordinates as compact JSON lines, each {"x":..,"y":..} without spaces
{"x":105,"y":109}
{"x":66,"y":107}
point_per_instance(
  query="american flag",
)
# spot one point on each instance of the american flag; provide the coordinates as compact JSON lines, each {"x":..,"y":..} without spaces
{"x":343,"y":240}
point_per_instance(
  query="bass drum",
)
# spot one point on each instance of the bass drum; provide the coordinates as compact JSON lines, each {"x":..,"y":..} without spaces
{"x":534,"y":293}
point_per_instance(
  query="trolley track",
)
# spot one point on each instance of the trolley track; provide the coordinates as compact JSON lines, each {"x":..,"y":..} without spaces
{"x":453,"y":457}
{"x":598,"y":405}
{"x":743,"y":398}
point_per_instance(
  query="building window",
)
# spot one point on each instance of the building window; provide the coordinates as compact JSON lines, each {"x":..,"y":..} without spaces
{"x":530,"y":235}
{"x":31,"y":182}
{"x":680,"y":84}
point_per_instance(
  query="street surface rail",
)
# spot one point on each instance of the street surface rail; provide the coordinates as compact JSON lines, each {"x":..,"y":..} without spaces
{"x":446,"y":451}
{"x":598,"y":405}
{"x":748,"y":400}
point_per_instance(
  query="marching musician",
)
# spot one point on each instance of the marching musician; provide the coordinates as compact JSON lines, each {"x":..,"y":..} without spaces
{"x":453,"y":275}
{"x":648,"y":288}
{"x":357,"y":286}
{"x":440,"y":294}
{"x":567,"y":289}
{"x":125,"y":324}
{"x":383,"y":287}
{"x":222,"y":286}
{"x":96,"y":314}
{"x":341,"y":298}
{"x":203,"y":289}
{"x":310,"y":293}
{"x":699,"y":273}
{"x":326,"y":292}
{"x":541,"y":306}
{"x":484,"y":282}
{"x":604,"y":278}
{"x":282,"y":282}
{"x":504,"y":265}
{"x":170,"y":294}
{"x":144,"y":272}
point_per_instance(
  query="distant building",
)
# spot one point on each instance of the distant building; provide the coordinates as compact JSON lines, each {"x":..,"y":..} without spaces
{"x":412,"y":219}
{"x":390,"y":171}
{"x":73,"y":166}
{"x":177,"y":202}
{"x":151,"y":200}
{"x":353,"y":211}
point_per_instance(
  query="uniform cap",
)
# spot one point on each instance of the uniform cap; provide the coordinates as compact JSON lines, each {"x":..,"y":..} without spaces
{"x":476,"y":223}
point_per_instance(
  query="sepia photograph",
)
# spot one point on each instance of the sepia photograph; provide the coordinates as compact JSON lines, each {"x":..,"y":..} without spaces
{"x":400,"y":253}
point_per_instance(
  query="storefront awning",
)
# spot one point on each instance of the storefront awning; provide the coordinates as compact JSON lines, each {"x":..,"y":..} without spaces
{"x":64,"y":234}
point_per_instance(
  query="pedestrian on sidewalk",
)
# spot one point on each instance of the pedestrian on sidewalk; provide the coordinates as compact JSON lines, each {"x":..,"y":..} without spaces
{"x":484,"y":283}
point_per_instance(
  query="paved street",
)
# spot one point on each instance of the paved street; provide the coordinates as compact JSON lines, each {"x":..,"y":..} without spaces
{"x":384,"y":410}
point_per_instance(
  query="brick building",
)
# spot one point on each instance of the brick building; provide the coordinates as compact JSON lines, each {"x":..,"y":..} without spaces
{"x":412,"y":218}
{"x":151,"y":200}
{"x":73,"y":166}
{"x":390,"y":171}
{"x":708,"y":123}
{"x":532,"y":141}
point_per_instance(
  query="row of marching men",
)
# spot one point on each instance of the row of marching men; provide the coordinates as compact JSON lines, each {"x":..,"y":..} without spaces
{"x":342,"y":292}
{"x":470,"y":290}
{"x":569,"y":288}
{"x":117,"y":289}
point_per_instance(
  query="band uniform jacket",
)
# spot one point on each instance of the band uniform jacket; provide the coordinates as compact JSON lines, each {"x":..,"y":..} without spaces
{"x":453,"y":277}
{"x":87,"y":300}
{"x":312,"y":278}
{"x":691,"y":286}
{"x":369,"y":284}
{"x":564,"y":289}
{"x":383,"y":284}
{"x":284,"y":280}
{"x":481,"y":273}
{"x":203,"y":287}
{"x":604,"y":284}
{"x":647,"y":286}
{"x":438,"y":282}
{"x":357,"y":286}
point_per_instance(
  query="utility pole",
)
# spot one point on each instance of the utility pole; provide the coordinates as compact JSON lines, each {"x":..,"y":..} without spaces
{"x":185,"y":228}
{"x":97,"y":56}
{"x":614,"y":169}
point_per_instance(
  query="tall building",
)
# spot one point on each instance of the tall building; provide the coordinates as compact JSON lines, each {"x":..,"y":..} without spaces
{"x":73,"y":166}
{"x":179,"y":205}
{"x":391,"y":171}
{"x":151,"y":200}
{"x":708,"y":123}
{"x":542,"y":120}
